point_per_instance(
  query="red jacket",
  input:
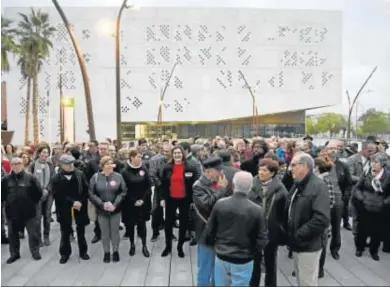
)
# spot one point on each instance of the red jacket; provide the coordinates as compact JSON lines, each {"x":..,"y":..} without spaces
{"x":6,"y":165}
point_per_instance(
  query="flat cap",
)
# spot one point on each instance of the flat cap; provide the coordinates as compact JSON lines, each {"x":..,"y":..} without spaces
{"x":213,"y":162}
{"x":66,"y":159}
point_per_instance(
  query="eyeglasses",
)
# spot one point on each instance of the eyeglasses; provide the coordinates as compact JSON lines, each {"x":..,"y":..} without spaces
{"x":17,"y":163}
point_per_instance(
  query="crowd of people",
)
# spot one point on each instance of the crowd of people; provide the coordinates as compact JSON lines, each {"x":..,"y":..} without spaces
{"x":237,"y":200}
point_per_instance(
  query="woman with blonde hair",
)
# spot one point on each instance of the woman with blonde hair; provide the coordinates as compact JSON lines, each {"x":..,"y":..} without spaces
{"x":107,"y":191}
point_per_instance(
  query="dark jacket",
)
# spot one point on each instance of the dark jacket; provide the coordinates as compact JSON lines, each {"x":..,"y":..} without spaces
{"x":308,"y":217}
{"x":191,"y":174}
{"x":371,"y":200}
{"x":107,"y":189}
{"x":204,"y":197}
{"x":228,"y":169}
{"x":146,"y":156}
{"x":344,"y":178}
{"x":64,"y":199}
{"x":251,"y":165}
{"x":21,"y":193}
{"x":92,"y":166}
{"x":138,"y":188}
{"x":276,"y":198}
{"x":237,"y":229}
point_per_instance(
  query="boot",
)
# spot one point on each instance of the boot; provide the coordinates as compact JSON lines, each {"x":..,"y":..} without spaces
{"x":13,"y":258}
{"x":167,"y":251}
{"x":155,"y":236}
{"x":132,"y":249}
{"x":145,"y":251}
{"x":106,"y":258}
{"x":115,"y":256}
{"x":180,"y":251}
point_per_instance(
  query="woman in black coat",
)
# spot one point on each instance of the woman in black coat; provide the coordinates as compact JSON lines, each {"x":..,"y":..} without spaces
{"x":177,"y":180}
{"x":371,"y":199}
{"x":270,"y":193}
{"x":138,"y":203}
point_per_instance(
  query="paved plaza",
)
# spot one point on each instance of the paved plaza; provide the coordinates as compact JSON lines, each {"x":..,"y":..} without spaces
{"x":169,"y":271}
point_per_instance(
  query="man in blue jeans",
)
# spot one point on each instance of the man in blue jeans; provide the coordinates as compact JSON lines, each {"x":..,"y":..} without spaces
{"x":237,"y":229}
{"x":210,"y":187}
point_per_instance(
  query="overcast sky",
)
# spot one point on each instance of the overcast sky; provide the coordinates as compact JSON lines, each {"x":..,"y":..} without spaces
{"x":366,"y":37}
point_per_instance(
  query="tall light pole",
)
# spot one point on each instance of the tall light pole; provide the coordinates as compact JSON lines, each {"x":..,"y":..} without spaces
{"x":351,"y":104}
{"x":255,"y":111}
{"x":118,"y":75}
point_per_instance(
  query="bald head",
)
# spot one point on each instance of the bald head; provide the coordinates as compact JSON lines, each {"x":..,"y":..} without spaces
{"x":242,"y":182}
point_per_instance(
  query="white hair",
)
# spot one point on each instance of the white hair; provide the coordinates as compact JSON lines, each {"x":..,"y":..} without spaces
{"x":221,"y":145}
{"x":242,"y":182}
{"x":306,"y":159}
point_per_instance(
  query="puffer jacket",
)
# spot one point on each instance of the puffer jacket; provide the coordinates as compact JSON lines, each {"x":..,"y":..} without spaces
{"x":373,"y":201}
{"x":110,"y":188}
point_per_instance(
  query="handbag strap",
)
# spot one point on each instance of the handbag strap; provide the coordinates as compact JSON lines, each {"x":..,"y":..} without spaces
{"x":271,"y":205}
{"x":200,"y":215}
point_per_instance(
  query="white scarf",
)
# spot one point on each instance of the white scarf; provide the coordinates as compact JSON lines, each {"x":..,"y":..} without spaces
{"x":376,"y":184}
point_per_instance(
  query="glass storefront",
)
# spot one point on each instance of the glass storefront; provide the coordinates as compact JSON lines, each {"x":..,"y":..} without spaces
{"x":133,"y":131}
{"x":284,"y":124}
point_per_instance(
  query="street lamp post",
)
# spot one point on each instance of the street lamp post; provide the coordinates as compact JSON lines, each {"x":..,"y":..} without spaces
{"x":118,"y":76}
{"x":255,"y":111}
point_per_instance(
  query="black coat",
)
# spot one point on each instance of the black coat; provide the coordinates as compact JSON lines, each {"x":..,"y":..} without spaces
{"x":309,"y":217}
{"x":21,"y":194}
{"x":276,"y":198}
{"x":366,"y":196}
{"x":138,"y":188}
{"x":64,"y":200}
{"x":191,"y":175}
{"x":344,"y":178}
{"x":229,"y":172}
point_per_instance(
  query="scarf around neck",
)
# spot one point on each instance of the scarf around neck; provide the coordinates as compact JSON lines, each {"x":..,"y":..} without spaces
{"x":42,"y":172}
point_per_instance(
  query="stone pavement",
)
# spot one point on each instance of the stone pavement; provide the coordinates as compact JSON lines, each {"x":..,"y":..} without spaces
{"x":169,"y":271}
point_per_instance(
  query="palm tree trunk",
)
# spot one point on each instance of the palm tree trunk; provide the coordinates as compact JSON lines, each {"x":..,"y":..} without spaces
{"x":83,"y":68}
{"x":35,"y":108}
{"x":28,"y":108}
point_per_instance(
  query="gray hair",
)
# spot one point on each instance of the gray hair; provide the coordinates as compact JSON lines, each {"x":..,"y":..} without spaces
{"x":306,"y":158}
{"x":380,"y":158}
{"x":242,"y":182}
{"x":221,"y":145}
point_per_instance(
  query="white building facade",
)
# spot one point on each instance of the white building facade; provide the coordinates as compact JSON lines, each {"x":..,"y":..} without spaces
{"x":290,"y":58}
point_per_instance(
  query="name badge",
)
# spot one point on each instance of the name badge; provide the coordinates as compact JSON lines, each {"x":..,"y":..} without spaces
{"x":141,"y":173}
{"x":188,"y":174}
{"x":113,"y":183}
{"x":146,"y":156}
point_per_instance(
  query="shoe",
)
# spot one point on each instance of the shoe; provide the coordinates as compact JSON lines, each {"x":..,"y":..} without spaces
{"x":375,"y":256}
{"x":290,"y":254}
{"x":46,"y":241}
{"x":180,"y":251}
{"x":21,"y":235}
{"x":120,"y":227}
{"x":4,"y":240}
{"x":155,"y":237}
{"x":145,"y":251}
{"x":115,"y":256}
{"x":72,"y":238}
{"x":84,"y":256}
{"x":358,"y":253}
{"x":175,"y":225}
{"x":13,"y":258}
{"x":347,"y":226}
{"x":161,"y":227}
{"x":174,"y":238}
{"x":166,"y":252}
{"x":321,"y":273}
{"x":107,"y":257}
{"x":132,"y":250}
{"x":193,"y":241}
{"x":64,"y":259}
{"x":335,"y":255}
{"x":37,"y":257}
{"x":293,"y":274}
{"x":51,"y":219}
{"x":95,"y":239}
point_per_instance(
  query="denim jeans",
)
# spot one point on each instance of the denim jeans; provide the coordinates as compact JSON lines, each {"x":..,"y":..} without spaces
{"x":229,"y":274}
{"x":206,"y":257}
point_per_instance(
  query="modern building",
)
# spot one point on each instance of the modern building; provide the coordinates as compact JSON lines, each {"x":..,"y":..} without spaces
{"x":290,"y":60}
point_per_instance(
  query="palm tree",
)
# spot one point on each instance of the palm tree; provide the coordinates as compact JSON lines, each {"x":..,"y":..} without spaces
{"x":34,"y":31}
{"x":8,"y":44}
{"x":26,"y":65}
